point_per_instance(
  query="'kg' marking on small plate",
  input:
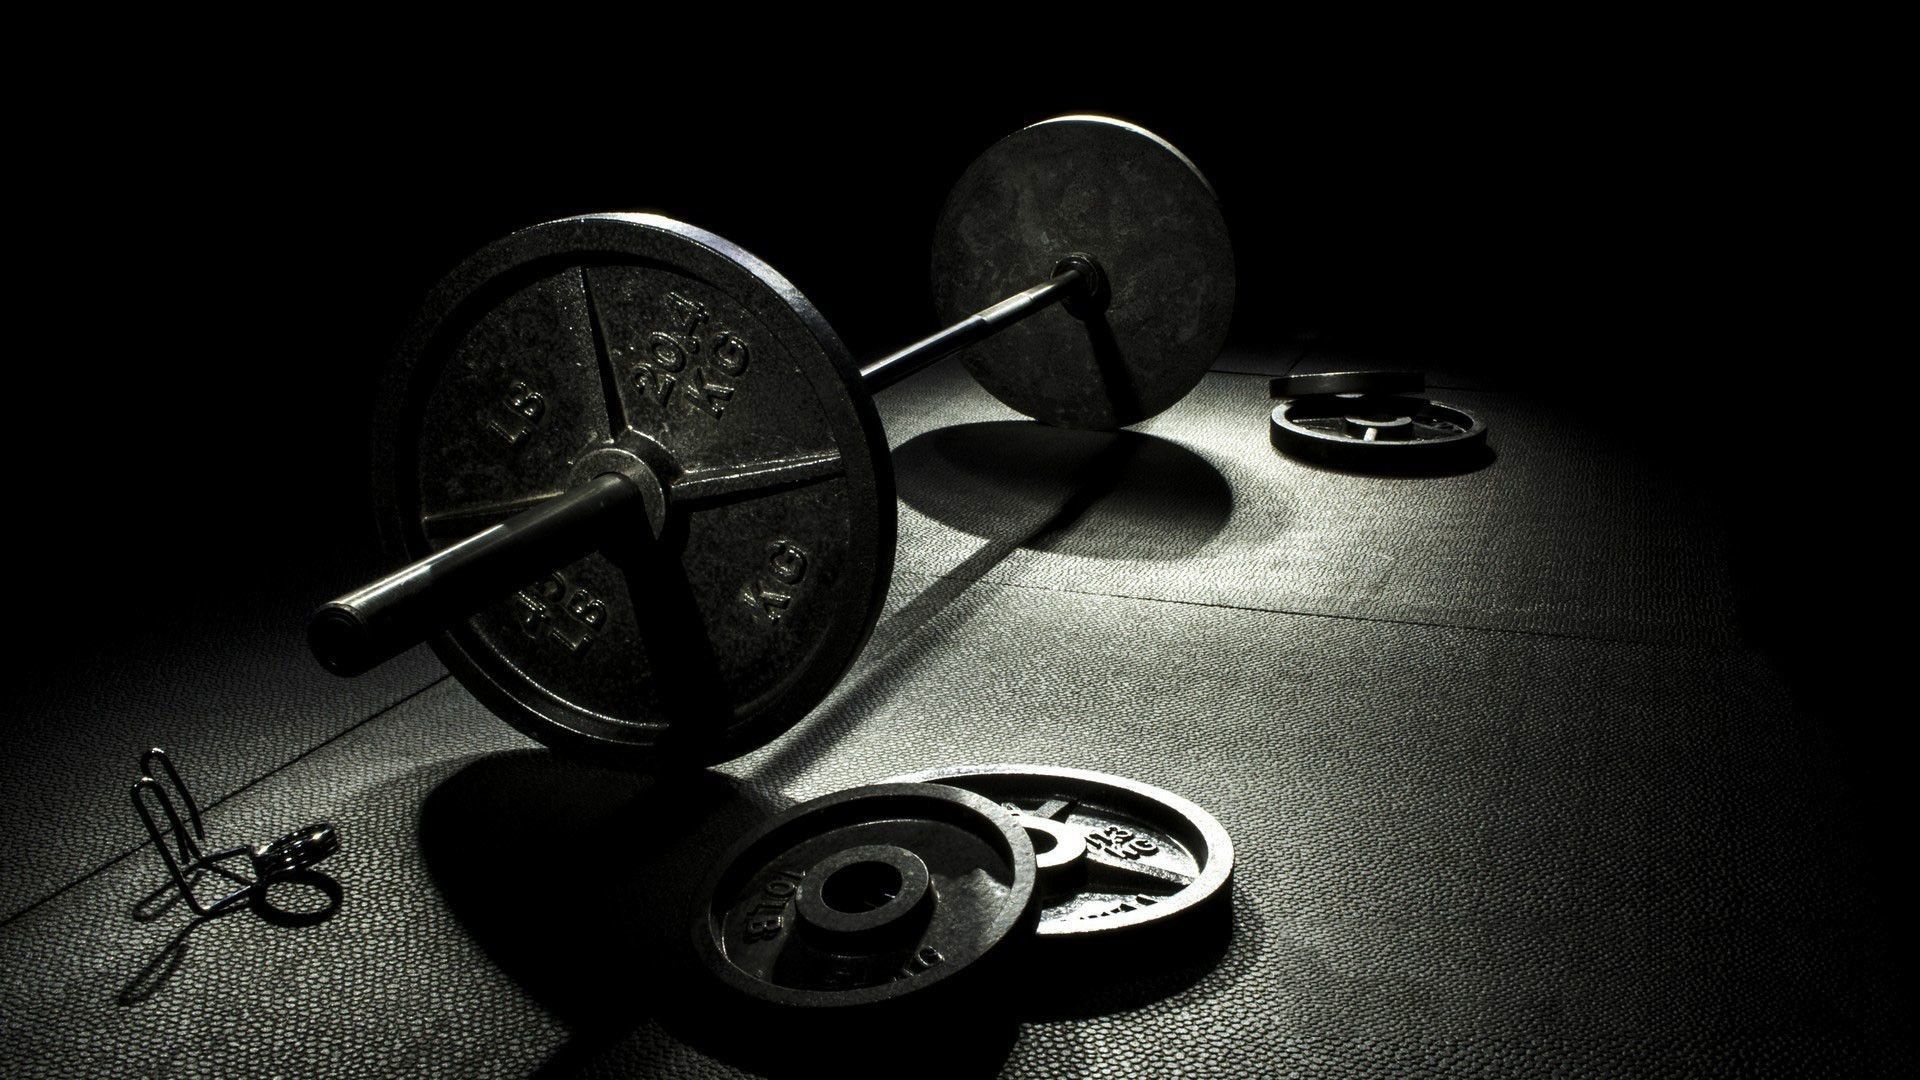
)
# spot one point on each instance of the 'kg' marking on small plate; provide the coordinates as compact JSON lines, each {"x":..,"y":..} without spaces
{"x":772,"y":592}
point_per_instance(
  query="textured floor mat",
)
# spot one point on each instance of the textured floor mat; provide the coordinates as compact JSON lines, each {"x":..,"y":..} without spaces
{"x":231,"y":698}
{"x":1460,"y":852}
{"x":1568,"y":530}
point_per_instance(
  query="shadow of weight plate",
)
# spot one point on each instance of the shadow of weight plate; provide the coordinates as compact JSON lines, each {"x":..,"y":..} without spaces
{"x":1139,"y":207}
{"x":726,"y":607}
{"x":1115,"y":856}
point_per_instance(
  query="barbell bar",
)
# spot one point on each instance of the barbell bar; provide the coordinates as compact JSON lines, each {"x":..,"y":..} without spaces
{"x":586,"y":402}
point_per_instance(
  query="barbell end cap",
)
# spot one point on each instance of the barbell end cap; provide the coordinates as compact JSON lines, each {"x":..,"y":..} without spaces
{"x":339,"y":640}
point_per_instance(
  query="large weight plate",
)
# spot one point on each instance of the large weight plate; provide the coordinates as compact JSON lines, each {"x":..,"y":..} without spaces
{"x":866,"y":896}
{"x":1099,"y":186}
{"x":566,"y":346}
{"x":1116,"y":856}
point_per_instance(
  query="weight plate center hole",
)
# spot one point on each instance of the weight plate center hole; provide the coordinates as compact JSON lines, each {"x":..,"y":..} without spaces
{"x":1375,"y":427}
{"x":872,"y":889}
{"x":861,"y":887}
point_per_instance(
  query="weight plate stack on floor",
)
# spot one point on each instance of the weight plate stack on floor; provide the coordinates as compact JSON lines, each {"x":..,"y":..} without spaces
{"x":871,"y":895}
{"x":1370,"y":420}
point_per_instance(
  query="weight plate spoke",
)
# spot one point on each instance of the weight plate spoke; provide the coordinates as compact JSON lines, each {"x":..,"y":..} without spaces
{"x":1051,"y":809}
{"x":616,"y":393}
{"x":755,"y":478}
{"x":446,"y":526}
{"x":517,"y":401}
{"x":1111,"y":873}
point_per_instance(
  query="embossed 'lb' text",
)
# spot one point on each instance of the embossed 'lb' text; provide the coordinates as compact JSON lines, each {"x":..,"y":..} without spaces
{"x":515,"y":414}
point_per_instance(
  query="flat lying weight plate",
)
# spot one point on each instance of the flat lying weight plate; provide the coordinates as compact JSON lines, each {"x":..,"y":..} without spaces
{"x":1349,"y":382}
{"x":1115,"y":855}
{"x":866,"y":896}
{"x":573,"y":347}
{"x":1099,"y":186}
{"x":1366,"y":430}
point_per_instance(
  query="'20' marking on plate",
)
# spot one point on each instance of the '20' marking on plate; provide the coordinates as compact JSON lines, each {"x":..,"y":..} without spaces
{"x":692,"y":361}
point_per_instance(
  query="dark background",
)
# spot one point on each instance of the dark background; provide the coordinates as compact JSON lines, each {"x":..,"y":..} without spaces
{"x":218,"y":261}
{"x":226,"y":266}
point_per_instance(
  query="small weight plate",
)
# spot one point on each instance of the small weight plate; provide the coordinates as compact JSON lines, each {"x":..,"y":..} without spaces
{"x":1349,"y":382}
{"x":1115,"y":855}
{"x":866,"y":896}
{"x":1105,"y":188}
{"x":1366,"y":430}
{"x":585,"y":345}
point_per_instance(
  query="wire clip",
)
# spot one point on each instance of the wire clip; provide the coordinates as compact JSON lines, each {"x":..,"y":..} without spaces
{"x":187,"y":858}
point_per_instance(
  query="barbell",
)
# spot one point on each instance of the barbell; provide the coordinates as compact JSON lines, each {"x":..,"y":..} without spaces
{"x":644,"y":493}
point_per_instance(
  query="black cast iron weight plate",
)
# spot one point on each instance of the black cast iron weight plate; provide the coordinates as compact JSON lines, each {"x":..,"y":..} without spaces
{"x":1349,"y":382}
{"x":1115,"y":855}
{"x":1125,"y":196}
{"x":569,"y":347}
{"x":1374,"y":431}
{"x":866,"y":896}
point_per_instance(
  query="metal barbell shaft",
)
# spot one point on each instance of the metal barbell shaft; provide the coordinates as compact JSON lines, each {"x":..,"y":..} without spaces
{"x":377,"y":622}
{"x":373,"y":624}
{"x":890,"y":369}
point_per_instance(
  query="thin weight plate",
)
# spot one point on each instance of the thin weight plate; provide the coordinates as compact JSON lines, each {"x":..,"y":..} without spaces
{"x":866,"y":896}
{"x":1115,"y":855}
{"x":1368,"y":431}
{"x":1349,"y":382}
{"x":569,"y":347}
{"x":1102,"y":187}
